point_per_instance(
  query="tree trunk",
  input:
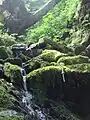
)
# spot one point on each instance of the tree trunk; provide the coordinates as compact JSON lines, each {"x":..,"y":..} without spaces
{"x":17,"y":26}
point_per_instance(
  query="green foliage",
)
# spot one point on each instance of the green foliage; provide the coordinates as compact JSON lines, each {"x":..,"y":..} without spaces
{"x":11,"y":118}
{"x":5,"y":98}
{"x":6,"y":39}
{"x":55,"y":22}
{"x":5,"y":52}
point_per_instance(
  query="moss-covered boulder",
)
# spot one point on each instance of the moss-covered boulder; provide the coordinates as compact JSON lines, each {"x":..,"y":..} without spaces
{"x":69,"y":60}
{"x":35,"y":63}
{"x":46,"y":43}
{"x":51,"y":55}
{"x":13,"y":72}
{"x":70,"y":83}
{"x":49,"y":79}
{"x":79,"y":49}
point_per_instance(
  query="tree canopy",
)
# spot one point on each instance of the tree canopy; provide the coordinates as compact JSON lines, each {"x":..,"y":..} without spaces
{"x":20,"y":14}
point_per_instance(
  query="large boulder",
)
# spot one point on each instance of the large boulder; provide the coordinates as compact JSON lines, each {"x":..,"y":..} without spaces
{"x":46,"y":43}
{"x":70,"y":83}
{"x":13,"y":73}
{"x":51,"y":55}
{"x":49,"y":79}
{"x":35,"y":63}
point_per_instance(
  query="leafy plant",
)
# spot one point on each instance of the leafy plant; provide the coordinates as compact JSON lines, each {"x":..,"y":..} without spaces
{"x":55,"y":22}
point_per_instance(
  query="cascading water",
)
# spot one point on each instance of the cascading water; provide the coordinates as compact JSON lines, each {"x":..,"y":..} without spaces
{"x":27,"y":97}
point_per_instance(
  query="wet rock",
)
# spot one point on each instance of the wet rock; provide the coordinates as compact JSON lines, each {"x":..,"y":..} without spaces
{"x":87,"y":50}
{"x":18,"y":48}
{"x":3,"y":52}
{"x":14,"y":61}
{"x":1,"y":71}
{"x":33,"y":52}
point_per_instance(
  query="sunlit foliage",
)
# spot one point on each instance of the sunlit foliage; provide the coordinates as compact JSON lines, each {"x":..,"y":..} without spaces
{"x":55,"y":22}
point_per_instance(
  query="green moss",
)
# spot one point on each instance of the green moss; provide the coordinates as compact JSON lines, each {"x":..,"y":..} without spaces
{"x":45,"y":77}
{"x":47,"y":69}
{"x":84,"y":67}
{"x":35,"y":63}
{"x":54,"y":45}
{"x":6,"y":100}
{"x":13,"y":72}
{"x":69,"y":60}
{"x":51,"y":55}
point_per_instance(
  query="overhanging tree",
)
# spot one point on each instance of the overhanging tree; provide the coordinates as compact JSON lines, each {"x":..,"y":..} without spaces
{"x":17,"y":18}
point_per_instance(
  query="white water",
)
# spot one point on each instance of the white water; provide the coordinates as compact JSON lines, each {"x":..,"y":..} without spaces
{"x":27,"y":100}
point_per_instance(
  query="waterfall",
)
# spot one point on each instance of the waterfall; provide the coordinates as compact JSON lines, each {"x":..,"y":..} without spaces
{"x":27,"y":101}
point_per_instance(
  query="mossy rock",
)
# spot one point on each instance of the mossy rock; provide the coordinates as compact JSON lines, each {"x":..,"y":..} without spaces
{"x":15,"y":61}
{"x":13,"y":72}
{"x":48,"y":79}
{"x":51,"y":55}
{"x":6,"y":100}
{"x":35,"y":63}
{"x":69,"y":60}
{"x":79,"y":49}
{"x":82,"y":67}
{"x":46,"y":43}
